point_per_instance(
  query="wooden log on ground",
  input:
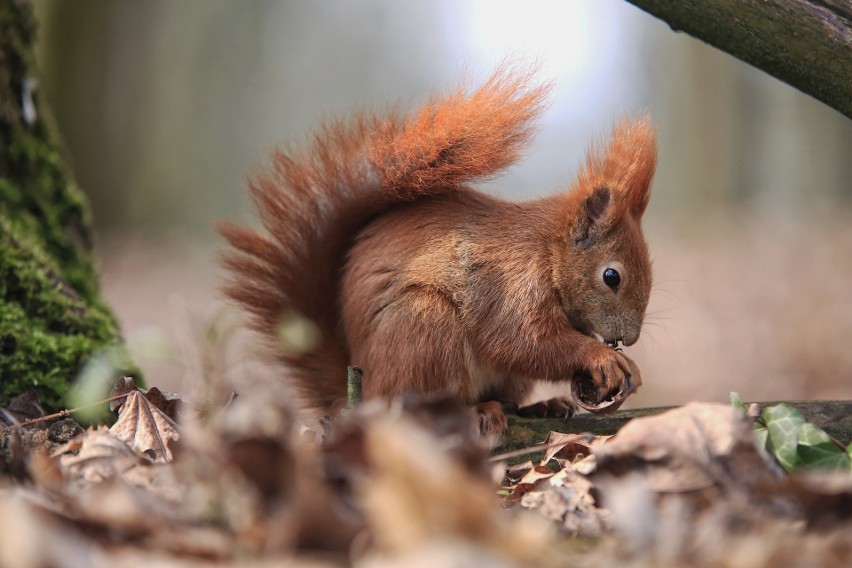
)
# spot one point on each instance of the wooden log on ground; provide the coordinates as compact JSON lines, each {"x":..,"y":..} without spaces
{"x":833,"y":416}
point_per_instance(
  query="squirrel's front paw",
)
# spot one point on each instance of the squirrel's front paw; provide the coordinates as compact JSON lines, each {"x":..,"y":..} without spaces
{"x":490,"y":418}
{"x":607,"y":378}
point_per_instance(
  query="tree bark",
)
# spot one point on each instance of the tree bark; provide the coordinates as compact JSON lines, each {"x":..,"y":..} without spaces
{"x":805,"y":43}
{"x":52,"y":317}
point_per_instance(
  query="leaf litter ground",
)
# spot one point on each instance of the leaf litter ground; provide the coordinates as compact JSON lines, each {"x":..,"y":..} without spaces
{"x":410,"y":484}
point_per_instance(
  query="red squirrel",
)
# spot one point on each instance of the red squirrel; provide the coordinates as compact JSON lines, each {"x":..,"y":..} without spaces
{"x":374,"y":234}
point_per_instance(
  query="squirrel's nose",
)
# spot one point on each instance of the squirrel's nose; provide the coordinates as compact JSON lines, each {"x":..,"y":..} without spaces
{"x":630,"y":337}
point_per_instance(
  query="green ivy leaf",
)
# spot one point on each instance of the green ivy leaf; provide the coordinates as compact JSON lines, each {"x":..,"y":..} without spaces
{"x":795,"y":443}
{"x":816,"y":450}
{"x":783,"y":424}
{"x":737,"y":402}
{"x":761,"y":434}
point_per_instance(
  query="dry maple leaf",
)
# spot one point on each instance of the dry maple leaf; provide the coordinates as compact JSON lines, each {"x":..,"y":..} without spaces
{"x":145,"y":428}
{"x":169,"y":402}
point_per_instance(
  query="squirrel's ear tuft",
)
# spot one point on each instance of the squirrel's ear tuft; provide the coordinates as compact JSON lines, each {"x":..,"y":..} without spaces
{"x":625,"y":164}
{"x":593,"y":217}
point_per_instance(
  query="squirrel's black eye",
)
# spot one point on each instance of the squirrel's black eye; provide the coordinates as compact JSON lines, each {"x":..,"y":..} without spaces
{"x":611,"y":278}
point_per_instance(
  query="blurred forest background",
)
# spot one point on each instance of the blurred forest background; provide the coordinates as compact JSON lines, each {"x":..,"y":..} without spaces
{"x":166,"y":107}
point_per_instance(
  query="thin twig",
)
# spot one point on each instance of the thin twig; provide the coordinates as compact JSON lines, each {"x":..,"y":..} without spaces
{"x":525,"y":451}
{"x":63,"y":413}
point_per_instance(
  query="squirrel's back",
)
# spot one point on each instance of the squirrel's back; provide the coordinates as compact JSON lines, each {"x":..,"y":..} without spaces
{"x":312,"y":204}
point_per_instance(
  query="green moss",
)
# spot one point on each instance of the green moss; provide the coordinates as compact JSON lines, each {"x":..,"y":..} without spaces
{"x":47,"y":330}
{"x":521,"y":436}
{"x":52,"y":318}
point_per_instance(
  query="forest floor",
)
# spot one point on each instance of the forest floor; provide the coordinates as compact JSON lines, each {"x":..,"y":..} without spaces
{"x":236,"y":479}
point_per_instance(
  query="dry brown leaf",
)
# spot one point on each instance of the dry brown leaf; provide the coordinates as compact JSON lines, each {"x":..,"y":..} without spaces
{"x":23,"y":407}
{"x":448,"y":553}
{"x":168,"y":402}
{"x":567,"y":450}
{"x":250,"y":468}
{"x":145,"y":428}
{"x":514,"y":473}
{"x":63,"y":431}
{"x":101,"y":456}
{"x":45,"y":471}
{"x":418,"y":495}
{"x":567,"y":499}
{"x":71,"y":446}
{"x":660,"y":474}
{"x":31,"y":536}
{"x":145,"y":500}
{"x":567,"y":447}
{"x":536,"y":474}
{"x":13,"y":455}
{"x":17,"y":442}
{"x":532,"y":477}
{"x":124,"y":385}
{"x":693,"y":447}
{"x":824,"y":496}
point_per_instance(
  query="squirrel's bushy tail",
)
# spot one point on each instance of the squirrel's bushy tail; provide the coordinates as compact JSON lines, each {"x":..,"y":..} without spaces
{"x":311,"y":205}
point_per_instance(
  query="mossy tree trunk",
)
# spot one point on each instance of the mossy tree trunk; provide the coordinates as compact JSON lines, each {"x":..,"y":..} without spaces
{"x":52,"y":318}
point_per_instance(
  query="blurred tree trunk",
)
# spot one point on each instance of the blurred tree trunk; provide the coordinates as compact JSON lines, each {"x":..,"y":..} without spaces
{"x":805,"y":43}
{"x":52,"y":318}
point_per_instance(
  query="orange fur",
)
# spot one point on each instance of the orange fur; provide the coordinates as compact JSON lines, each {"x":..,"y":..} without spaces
{"x":374,"y":235}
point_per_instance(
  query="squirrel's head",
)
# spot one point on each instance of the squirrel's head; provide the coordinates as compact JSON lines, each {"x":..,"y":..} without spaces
{"x":604,"y":275}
